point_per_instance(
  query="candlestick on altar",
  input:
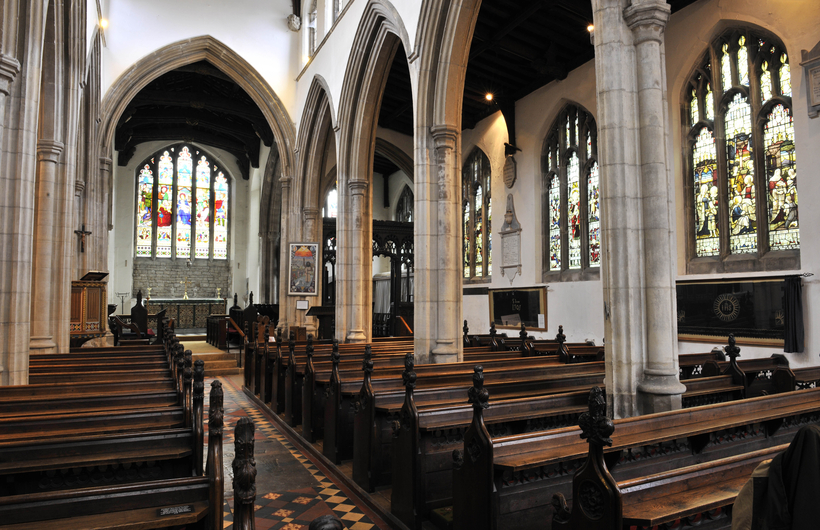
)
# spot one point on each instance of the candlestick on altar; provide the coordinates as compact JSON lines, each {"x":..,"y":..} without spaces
{"x":186,"y":282}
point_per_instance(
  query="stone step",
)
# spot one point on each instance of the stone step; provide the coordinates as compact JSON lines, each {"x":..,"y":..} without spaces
{"x":215,"y":356}
{"x":218,"y":365}
{"x":222,"y":371}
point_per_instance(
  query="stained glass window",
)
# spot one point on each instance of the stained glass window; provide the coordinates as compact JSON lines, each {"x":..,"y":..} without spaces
{"x":477,"y":216}
{"x":331,"y":208}
{"x":145,"y":211}
{"x":203,"y":208}
{"x":220,"y":217}
{"x":704,"y":162}
{"x":758,"y":142}
{"x":785,"y":76}
{"x":781,"y":174}
{"x":740,"y":175}
{"x":742,"y":62}
{"x":571,"y":207}
{"x":183,"y":204}
{"x":404,"y":208}
{"x":765,"y":82}
{"x":693,"y":108}
{"x":165,"y":206}
{"x":594,"y":213}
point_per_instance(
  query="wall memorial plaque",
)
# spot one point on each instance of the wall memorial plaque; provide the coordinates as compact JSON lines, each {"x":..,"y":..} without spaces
{"x":811,"y":73}
{"x":509,"y":172}
{"x":510,"y":242}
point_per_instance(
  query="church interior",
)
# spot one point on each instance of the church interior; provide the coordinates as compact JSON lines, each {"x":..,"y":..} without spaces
{"x":288,"y":205}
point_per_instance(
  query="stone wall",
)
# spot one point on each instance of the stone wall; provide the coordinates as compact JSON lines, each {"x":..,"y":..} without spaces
{"x":163,"y":276}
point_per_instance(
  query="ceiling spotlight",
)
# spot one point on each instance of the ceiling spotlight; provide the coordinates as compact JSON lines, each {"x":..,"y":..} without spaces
{"x":591,"y":28}
{"x":103,"y":23}
{"x":488,"y":96}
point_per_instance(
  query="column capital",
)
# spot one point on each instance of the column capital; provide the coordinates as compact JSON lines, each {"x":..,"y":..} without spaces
{"x":311,"y":214}
{"x":647,"y":20}
{"x":357,"y":187}
{"x":9,"y":68}
{"x":286,"y":181}
{"x":106,"y":163}
{"x":49,"y":150}
{"x":444,"y":136}
{"x":79,"y":186}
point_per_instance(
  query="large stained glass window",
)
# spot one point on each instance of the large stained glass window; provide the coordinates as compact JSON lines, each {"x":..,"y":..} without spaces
{"x":182,"y":223}
{"x":476,"y":217}
{"x":758,"y":144}
{"x":571,"y":199}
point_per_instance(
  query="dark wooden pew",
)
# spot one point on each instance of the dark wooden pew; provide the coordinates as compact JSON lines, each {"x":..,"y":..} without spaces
{"x":652,"y":500}
{"x":133,"y":497}
{"x":518,"y":474}
{"x":787,"y":379}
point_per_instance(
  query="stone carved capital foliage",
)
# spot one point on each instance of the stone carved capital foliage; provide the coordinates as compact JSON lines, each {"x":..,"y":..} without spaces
{"x":49,"y":150}
{"x":445,"y":138}
{"x":647,"y":20}
{"x":9,"y":68}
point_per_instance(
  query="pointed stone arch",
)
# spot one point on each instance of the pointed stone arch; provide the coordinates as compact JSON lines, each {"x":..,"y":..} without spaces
{"x":182,"y":53}
{"x":377,"y":40}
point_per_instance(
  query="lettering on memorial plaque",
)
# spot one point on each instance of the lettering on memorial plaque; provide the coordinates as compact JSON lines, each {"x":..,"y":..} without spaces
{"x":509,"y":172}
{"x":510,"y":242}
{"x":811,"y":72}
{"x":176,"y":510}
{"x":814,"y":85}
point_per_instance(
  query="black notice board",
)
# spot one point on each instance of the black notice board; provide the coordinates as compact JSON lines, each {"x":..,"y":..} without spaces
{"x":749,"y":309}
{"x":509,"y":308}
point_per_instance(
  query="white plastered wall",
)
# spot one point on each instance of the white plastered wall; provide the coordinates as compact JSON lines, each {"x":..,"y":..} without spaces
{"x":578,"y":306}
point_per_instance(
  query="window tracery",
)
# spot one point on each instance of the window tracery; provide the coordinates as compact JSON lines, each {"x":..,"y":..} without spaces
{"x":476,"y":211}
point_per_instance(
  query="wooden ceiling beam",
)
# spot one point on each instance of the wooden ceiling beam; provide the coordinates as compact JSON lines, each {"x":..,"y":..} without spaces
{"x":513,"y":23}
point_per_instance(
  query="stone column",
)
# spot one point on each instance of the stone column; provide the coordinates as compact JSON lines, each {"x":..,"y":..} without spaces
{"x":660,"y":389}
{"x":43,"y":289}
{"x":637,"y":259}
{"x":285,"y":318}
{"x":359,"y":260}
{"x":311,"y":215}
{"x":448,"y":346}
{"x":9,"y":68}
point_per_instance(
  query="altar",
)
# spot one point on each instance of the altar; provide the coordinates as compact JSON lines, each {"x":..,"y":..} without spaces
{"x":190,"y":313}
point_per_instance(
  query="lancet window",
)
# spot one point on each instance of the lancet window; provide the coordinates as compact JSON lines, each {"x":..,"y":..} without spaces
{"x":570,"y":194}
{"x":741,"y":163}
{"x":404,"y":208}
{"x":477,"y":216}
{"x":182,"y":206}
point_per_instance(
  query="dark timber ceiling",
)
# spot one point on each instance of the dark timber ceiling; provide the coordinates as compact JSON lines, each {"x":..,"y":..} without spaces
{"x":195,"y":103}
{"x":518,"y":46}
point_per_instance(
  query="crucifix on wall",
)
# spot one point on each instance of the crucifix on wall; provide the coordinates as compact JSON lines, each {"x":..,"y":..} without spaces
{"x":82,"y":233}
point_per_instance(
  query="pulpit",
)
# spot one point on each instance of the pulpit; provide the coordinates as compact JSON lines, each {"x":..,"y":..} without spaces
{"x":190,"y":313}
{"x":88,"y":308}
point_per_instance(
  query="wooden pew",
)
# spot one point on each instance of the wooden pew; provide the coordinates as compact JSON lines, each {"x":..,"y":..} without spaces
{"x":515,"y":474}
{"x":652,"y":500}
{"x":787,"y":379}
{"x":754,"y":374}
{"x":691,"y":364}
{"x":130,"y":501}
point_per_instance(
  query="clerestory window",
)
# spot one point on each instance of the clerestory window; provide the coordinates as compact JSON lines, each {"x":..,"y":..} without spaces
{"x":570,"y":197}
{"x":182,"y":206}
{"x":741,"y":163}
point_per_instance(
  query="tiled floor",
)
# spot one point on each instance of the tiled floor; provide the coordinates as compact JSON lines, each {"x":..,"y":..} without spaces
{"x":291,"y":490}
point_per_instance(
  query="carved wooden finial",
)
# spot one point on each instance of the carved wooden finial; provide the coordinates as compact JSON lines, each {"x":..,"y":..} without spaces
{"x":199,"y":380}
{"x":334,"y":353}
{"x":523,"y":333}
{"x":309,"y":348}
{"x":408,"y":377}
{"x":250,"y":299}
{"x":465,"y":329}
{"x":310,"y":340}
{"x":732,"y":351}
{"x":235,"y":299}
{"x":596,"y":428}
{"x":292,"y":340}
{"x":215,"y":410}
{"x":139,"y":297}
{"x":279,"y":335}
{"x":335,"y":348}
{"x":367,"y":364}
{"x":188,"y":374}
{"x":477,"y":395}
{"x":492,"y":329}
{"x":560,"y":338}
{"x":244,"y":474}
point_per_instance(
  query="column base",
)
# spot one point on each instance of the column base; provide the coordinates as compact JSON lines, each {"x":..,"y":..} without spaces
{"x":356,"y":335}
{"x":660,"y":391}
{"x":42,"y":345}
{"x":445,"y":351}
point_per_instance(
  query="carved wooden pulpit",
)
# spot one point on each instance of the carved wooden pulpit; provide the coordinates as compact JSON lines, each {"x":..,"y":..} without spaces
{"x":88,"y":307}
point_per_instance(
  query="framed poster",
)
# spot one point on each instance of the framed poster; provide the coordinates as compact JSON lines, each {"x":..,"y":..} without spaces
{"x":303,"y":269}
{"x":510,"y":307}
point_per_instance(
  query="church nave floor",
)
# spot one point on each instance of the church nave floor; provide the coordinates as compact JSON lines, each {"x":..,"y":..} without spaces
{"x":291,"y":489}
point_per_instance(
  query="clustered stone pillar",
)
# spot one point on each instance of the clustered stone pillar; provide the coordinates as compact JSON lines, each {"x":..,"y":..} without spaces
{"x":638,"y":258}
{"x":310,"y":233}
{"x":43,"y":289}
{"x":448,"y":347}
{"x":359,"y":283}
{"x":9,"y":68}
{"x":285,"y":318}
